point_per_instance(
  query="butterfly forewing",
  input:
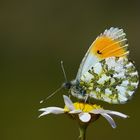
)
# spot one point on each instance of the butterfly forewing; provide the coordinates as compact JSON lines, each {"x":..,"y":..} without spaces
{"x":111,"y":42}
{"x":112,"y":80}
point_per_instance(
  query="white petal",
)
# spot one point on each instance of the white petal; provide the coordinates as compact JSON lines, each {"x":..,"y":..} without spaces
{"x":97,"y":111}
{"x":51,"y":110}
{"x":119,"y":114}
{"x":75,"y":111}
{"x":68,"y":102}
{"x":84,"y":117}
{"x":109,"y":119}
{"x":116,"y":113}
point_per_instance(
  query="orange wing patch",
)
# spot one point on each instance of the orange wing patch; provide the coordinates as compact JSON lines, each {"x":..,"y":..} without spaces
{"x":111,"y":43}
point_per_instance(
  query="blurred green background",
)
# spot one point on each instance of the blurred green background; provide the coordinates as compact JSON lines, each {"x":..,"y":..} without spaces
{"x":34,"y":37}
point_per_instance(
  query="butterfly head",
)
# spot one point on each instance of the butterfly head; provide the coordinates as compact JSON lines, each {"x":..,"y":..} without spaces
{"x":67,"y":85}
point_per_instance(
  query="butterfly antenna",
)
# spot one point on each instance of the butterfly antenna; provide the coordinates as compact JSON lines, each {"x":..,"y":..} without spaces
{"x":52,"y":94}
{"x":63,"y":70}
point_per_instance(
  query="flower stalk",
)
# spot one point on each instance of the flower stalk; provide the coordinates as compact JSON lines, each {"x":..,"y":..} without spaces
{"x":82,"y":130}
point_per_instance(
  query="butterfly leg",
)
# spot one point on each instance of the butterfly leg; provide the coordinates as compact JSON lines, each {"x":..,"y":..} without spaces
{"x":86,"y":97}
{"x":69,"y":96}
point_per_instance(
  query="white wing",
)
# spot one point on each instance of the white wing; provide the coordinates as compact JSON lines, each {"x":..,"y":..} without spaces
{"x":111,"y":43}
{"x":113,"y":80}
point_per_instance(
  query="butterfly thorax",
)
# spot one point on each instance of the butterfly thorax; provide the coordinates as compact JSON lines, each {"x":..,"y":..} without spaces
{"x":75,"y":88}
{"x":69,"y":84}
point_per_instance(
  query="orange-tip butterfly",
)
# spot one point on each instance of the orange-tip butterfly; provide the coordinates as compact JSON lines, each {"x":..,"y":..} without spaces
{"x":105,"y":72}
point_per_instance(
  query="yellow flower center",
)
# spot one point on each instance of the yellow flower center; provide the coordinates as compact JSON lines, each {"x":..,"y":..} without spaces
{"x":83,"y":106}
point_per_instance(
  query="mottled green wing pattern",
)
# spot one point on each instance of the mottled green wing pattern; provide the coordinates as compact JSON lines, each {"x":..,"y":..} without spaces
{"x":113,"y":80}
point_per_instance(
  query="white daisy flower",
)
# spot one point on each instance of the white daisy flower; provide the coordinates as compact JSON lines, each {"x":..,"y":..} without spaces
{"x":83,"y":112}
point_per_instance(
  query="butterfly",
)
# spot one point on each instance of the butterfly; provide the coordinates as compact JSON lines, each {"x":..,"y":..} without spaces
{"x":106,"y":73}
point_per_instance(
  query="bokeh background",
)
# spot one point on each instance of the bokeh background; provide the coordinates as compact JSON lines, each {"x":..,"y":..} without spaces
{"x":34,"y":37}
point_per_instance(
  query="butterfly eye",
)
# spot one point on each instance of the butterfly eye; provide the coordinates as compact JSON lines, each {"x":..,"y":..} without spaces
{"x":99,"y":52}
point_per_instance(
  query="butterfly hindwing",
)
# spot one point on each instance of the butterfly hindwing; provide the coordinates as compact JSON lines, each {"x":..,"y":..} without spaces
{"x":112,"y":80}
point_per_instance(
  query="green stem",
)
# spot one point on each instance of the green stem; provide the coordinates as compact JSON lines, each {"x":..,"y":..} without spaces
{"x":82,"y":129}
